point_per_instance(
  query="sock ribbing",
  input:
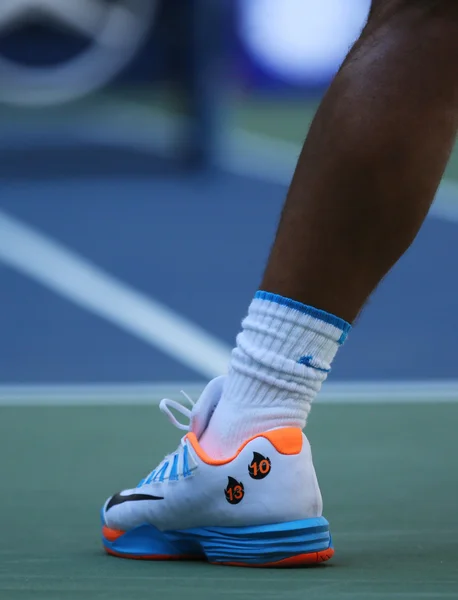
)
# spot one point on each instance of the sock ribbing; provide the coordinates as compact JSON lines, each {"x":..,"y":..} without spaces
{"x":283,"y":355}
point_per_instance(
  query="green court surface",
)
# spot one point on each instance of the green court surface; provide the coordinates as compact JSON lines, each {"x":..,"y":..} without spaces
{"x":388,"y":476}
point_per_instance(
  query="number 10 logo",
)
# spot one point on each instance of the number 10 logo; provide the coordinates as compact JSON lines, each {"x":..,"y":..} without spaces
{"x":260,"y":466}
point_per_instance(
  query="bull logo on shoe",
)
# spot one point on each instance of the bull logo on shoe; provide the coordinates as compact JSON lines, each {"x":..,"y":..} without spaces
{"x":260,"y":466}
{"x":235,"y":491}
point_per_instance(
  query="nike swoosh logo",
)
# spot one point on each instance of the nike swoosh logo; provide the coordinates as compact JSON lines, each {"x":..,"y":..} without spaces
{"x":119,"y":499}
{"x":307,"y":361}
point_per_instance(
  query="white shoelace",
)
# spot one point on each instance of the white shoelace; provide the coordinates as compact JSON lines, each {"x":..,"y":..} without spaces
{"x":166,"y":405}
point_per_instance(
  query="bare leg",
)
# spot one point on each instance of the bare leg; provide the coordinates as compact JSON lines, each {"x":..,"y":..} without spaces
{"x":373,"y":158}
{"x":365,"y":180}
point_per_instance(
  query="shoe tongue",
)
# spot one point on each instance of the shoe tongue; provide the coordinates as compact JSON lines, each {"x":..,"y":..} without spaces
{"x":205,"y":406}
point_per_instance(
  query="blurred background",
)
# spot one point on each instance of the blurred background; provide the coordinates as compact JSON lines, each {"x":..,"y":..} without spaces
{"x":146,"y":147}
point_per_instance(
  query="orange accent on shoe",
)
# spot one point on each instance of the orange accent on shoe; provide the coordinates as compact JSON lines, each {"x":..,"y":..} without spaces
{"x":299,"y":560}
{"x":152,"y":556}
{"x":287,"y":440}
{"x":111,"y":534}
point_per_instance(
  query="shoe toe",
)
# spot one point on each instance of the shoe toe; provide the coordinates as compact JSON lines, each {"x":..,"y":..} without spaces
{"x":126,"y":510}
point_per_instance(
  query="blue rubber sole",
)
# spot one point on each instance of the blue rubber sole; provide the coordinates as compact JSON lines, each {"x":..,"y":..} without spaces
{"x":284,"y":544}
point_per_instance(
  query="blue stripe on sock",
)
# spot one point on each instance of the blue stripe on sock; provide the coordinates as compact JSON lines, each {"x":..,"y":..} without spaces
{"x":343,"y":337}
{"x":307,"y":310}
{"x":307,"y":361}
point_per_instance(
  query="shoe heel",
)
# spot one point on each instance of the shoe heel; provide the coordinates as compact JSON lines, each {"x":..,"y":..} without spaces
{"x":289,"y":544}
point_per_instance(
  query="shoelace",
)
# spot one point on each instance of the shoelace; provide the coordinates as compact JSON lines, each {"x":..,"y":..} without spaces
{"x":166,"y":405}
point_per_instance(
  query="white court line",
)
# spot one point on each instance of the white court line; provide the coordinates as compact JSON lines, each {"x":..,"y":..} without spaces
{"x":408,"y":392}
{"x":77,"y":279}
{"x":84,"y":284}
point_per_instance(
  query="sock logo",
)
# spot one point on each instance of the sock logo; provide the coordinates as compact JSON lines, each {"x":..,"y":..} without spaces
{"x":260,"y":466}
{"x":234,"y":492}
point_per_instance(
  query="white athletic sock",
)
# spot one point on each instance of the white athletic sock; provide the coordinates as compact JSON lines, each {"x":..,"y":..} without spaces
{"x":283,"y":354}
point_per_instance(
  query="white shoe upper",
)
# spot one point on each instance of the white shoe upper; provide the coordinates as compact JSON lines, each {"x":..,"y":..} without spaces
{"x":270,"y":480}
